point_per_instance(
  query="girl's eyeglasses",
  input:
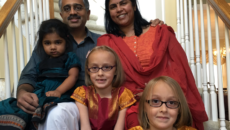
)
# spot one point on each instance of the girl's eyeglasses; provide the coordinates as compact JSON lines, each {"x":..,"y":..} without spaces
{"x":104,"y":68}
{"x":158,"y":103}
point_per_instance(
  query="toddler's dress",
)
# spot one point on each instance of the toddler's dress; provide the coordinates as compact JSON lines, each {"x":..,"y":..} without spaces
{"x":51,"y":73}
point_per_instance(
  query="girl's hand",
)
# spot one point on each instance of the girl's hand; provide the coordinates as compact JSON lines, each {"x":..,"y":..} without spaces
{"x":54,"y":93}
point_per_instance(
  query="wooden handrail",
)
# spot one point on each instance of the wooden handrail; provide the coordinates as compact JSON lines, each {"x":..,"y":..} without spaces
{"x":222,"y":8}
{"x":51,"y":7}
{"x":7,"y":13}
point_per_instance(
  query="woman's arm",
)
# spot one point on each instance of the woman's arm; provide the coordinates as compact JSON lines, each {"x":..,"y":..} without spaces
{"x":120,"y":125}
{"x":66,"y":85}
{"x":84,"y":116}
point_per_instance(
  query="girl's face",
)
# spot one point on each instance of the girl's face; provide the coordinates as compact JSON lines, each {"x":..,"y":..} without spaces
{"x":102,"y":79}
{"x":53,"y":45}
{"x":161,"y":118}
{"x":122,"y":12}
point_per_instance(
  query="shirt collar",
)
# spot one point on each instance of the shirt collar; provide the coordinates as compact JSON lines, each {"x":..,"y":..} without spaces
{"x":88,"y":35}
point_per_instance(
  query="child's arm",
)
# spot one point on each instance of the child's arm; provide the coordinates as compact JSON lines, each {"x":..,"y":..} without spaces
{"x":66,"y":85}
{"x":84,"y":116}
{"x":120,"y":125}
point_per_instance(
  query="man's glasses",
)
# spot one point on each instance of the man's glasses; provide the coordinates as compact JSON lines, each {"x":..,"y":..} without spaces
{"x":104,"y":68}
{"x":158,"y":103}
{"x":76,"y":7}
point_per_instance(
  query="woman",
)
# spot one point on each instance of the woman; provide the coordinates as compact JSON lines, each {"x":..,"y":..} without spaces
{"x":148,"y":52}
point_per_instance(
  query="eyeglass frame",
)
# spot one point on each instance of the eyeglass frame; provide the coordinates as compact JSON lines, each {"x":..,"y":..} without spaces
{"x":74,"y":7}
{"x":111,"y":67}
{"x":148,"y":101}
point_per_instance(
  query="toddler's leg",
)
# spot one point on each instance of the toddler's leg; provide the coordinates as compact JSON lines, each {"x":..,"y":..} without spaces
{"x":64,"y":116}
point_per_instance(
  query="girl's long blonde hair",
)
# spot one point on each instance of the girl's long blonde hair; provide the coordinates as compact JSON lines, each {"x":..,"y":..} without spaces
{"x":184,"y":117}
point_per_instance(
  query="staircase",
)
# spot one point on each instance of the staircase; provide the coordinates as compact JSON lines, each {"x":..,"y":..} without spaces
{"x":202,"y":29}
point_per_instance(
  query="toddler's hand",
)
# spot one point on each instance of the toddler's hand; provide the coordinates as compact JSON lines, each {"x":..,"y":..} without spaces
{"x":53,"y":94}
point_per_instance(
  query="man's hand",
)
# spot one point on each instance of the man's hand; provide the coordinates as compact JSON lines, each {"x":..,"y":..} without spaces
{"x":27,"y":101}
{"x":54,"y":93}
{"x":156,"y":22}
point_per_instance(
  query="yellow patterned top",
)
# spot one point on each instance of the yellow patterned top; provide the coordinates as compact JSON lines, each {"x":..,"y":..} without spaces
{"x":136,"y":128}
{"x":181,"y":128}
{"x":103,"y":112}
{"x":126,"y":98}
{"x":186,"y":128}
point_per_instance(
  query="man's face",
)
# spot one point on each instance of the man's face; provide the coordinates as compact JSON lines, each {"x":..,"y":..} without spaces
{"x":74,"y":13}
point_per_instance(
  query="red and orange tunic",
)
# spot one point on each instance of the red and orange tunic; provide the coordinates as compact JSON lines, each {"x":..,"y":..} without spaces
{"x":103,"y":112}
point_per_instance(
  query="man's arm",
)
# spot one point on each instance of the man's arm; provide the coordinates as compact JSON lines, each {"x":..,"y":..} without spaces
{"x":26,"y":100}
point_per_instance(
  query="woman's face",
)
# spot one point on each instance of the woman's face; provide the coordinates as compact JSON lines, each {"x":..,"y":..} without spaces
{"x":122,"y":12}
{"x":161,"y":117}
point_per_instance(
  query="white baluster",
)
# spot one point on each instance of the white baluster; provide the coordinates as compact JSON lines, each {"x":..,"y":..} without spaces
{"x":228,"y":66}
{"x":47,"y":9}
{"x":44,"y":9}
{"x":204,"y":82}
{"x":211,"y":69}
{"x":220,"y":79}
{"x":27,"y":31}
{"x":36,"y":15}
{"x":7,"y":69}
{"x":182,"y":24}
{"x":186,"y":30}
{"x":178,"y":22}
{"x":21,"y":47}
{"x":40,"y":11}
{"x":198,"y":65}
{"x":32,"y":24}
{"x":192,"y":56}
{"x":163,"y":9}
{"x":15,"y":62}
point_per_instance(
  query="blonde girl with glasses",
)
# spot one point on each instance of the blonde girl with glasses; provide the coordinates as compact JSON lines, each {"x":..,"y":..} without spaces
{"x":103,"y":102}
{"x":163,"y":106}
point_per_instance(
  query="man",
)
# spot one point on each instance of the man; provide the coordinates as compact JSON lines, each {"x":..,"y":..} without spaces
{"x":75,"y":13}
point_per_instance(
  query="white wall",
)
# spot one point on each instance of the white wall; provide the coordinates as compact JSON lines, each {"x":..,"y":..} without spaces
{"x":147,"y":7}
{"x":2,"y":2}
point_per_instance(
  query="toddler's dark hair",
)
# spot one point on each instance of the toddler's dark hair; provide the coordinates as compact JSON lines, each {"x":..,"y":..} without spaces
{"x":51,"y":26}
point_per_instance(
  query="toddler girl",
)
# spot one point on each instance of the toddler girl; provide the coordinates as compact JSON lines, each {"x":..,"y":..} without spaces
{"x":57,"y":75}
{"x":103,"y":102}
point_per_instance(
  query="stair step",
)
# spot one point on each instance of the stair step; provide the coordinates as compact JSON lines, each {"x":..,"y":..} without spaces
{"x":214,"y":125}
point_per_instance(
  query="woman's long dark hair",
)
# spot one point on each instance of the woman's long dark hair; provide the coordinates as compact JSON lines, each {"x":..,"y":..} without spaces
{"x":51,"y":26}
{"x":113,"y":28}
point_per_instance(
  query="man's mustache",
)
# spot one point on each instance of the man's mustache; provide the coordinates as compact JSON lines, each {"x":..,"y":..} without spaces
{"x":74,"y":16}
